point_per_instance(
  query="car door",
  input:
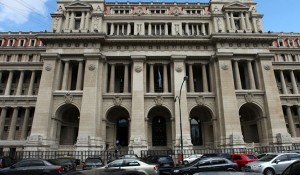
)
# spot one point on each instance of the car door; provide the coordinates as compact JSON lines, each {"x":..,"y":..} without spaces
{"x":131,"y":165}
{"x":18,"y":168}
{"x":202,"y":165}
{"x":218,"y":165}
{"x":115,"y":164}
{"x":281,"y":163}
{"x":35,"y":167}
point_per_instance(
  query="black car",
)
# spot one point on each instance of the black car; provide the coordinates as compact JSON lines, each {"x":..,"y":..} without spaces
{"x":293,"y":169}
{"x":165,"y":163}
{"x":6,"y":161}
{"x":107,"y":172}
{"x":206,"y":164}
{"x":66,"y":166}
{"x":92,"y":162}
{"x":225,"y":155}
{"x":68,"y":161}
{"x":32,"y":167}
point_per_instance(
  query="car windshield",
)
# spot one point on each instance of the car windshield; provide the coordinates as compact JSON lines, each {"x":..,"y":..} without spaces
{"x":193,"y":162}
{"x":65,"y":160}
{"x":93,"y":161}
{"x":268,"y":158}
{"x":251,"y":157}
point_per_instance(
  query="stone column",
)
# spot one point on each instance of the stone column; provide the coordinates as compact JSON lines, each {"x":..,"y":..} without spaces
{"x":282,"y":80}
{"x":31,"y":84}
{"x":44,"y":109}
{"x":66,"y":75}
{"x":187,"y":29}
{"x":118,"y":29}
{"x":67,"y":21}
{"x":166,"y":29}
{"x":165,"y":77}
{"x":232,"y":21}
{"x":112,"y":79}
{"x":128,"y":28}
{"x":149,"y":29}
{"x":251,"y":75}
{"x":2,"y":121}
{"x":82,"y":21}
{"x":151,"y":83}
{"x":294,"y":83}
{"x":87,"y":21}
{"x":79,"y":76}
{"x":228,"y":21}
{"x":71,"y":27}
{"x":126,"y":77}
{"x":291,"y":121}
{"x":0,"y":76}
{"x":254,"y":25}
{"x":204,"y":78}
{"x":179,"y":73}
{"x":112,"y":28}
{"x":25,"y":124}
{"x":237,"y":75}
{"x":138,"y":123}
{"x":91,"y":136}
{"x":9,"y":82}
{"x":191,"y":78}
{"x":248,"y":21}
{"x":12,"y":127}
{"x":298,"y":112}
{"x":203,"y":28}
{"x":243,"y":22}
{"x":20,"y":84}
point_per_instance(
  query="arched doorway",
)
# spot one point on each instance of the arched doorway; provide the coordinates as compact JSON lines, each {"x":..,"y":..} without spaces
{"x":201,"y":125}
{"x":117,"y":127}
{"x":251,"y":124}
{"x":159,"y":127}
{"x":69,"y":124}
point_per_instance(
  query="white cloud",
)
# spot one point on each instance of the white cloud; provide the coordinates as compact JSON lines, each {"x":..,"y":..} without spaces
{"x":18,"y":11}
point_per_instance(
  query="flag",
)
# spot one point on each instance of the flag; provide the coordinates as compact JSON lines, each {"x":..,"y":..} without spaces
{"x":159,"y":79}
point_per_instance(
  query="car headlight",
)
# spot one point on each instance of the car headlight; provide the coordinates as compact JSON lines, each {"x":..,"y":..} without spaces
{"x":176,"y":171}
{"x":259,"y":166}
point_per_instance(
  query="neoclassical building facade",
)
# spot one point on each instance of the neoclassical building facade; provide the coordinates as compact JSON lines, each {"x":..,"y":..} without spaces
{"x":114,"y":71}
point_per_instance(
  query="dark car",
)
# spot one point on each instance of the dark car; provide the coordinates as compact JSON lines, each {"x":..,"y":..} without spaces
{"x":293,"y":169}
{"x":92,"y":162}
{"x":206,"y":164}
{"x":225,"y":155}
{"x":32,"y":167}
{"x":165,"y":163}
{"x":6,"y":161}
{"x":68,"y":161}
{"x":108,"y":172}
{"x":66,"y":166}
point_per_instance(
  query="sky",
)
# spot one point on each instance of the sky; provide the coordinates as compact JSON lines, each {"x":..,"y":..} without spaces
{"x":34,"y":15}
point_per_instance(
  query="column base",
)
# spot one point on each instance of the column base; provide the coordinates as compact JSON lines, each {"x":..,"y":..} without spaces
{"x":282,"y":139}
{"x":36,"y":143}
{"x":137,"y":144}
{"x":88,"y":143}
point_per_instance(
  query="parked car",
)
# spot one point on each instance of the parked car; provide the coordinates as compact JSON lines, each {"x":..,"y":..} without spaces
{"x":191,"y":158}
{"x":129,"y":156}
{"x":293,"y":169}
{"x":225,"y":155}
{"x":58,"y":162}
{"x":68,"y":161}
{"x":108,"y":171}
{"x":165,"y":163}
{"x":133,"y":164}
{"x":6,"y":161}
{"x":92,"y":162}
{"x":32,"y":167}
{"x":227,"y":173}
{"x":272,"y":164}
{"x":242,"y":159}
{"x":206,"y":164}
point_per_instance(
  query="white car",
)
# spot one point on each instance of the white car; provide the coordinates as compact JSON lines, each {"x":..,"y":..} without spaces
{"x":191,"y":158}
{"x":272,"y":164}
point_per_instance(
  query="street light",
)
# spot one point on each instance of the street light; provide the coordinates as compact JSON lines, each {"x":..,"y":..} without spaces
{"x":179,"y":99}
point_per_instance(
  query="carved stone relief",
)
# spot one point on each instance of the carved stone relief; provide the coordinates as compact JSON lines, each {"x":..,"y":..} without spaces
{"x":117,"y":101}
{"x":68,"y":98}
{"x":159,"y":100}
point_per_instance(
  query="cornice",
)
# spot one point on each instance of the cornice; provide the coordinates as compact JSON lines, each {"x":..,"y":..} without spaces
{"x":156,"y":17}
{"x":22,"y":49}
{"x":56,"y":37}
{"x":261,"y":37}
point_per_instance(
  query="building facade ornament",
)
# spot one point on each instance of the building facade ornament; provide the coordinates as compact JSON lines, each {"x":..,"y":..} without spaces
{"x":68,"y":98}
{"x":225,"y":67}
{"x":48,"y":67}
{"x":138,"y":69}
{"x":249,"y":97}
{"x":92,"y":67}
{"x":200,"y":101}
{"x":178,"y":68}
{"x":117,"y":101}
{"x":159,"y":100}
{"x":267,"y":67}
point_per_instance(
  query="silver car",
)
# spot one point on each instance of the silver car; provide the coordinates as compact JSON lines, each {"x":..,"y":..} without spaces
{"x":133,"y":164}
{"x":191,"y":158}
{"x":272,"y":164}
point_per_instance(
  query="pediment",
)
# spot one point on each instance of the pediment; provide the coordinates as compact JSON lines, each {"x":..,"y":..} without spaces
{"x":78,"y":5}
{"x":236,"y":5}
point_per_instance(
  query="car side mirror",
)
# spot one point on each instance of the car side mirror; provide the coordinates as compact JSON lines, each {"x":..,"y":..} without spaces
{"x":277,"y":161}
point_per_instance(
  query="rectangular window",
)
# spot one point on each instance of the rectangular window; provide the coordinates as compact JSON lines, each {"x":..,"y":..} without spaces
{"x":1,"y":42}
{"x":19,"y":57}
{"x":32,"y":42}
{"x":291,"y":43}
{"x":10,"y":42}
{"x":77,"y":24}
{"x":21,"y":42}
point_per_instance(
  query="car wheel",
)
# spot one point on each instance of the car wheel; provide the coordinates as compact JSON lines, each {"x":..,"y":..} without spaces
{"x":269,"y":171}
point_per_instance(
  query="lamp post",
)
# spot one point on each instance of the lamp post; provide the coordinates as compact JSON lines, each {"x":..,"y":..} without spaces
{"x":180,"y":123}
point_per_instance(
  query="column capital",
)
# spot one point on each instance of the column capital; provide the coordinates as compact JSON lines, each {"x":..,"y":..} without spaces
{"x":136,"y":58}
{"x":178,"y":57}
